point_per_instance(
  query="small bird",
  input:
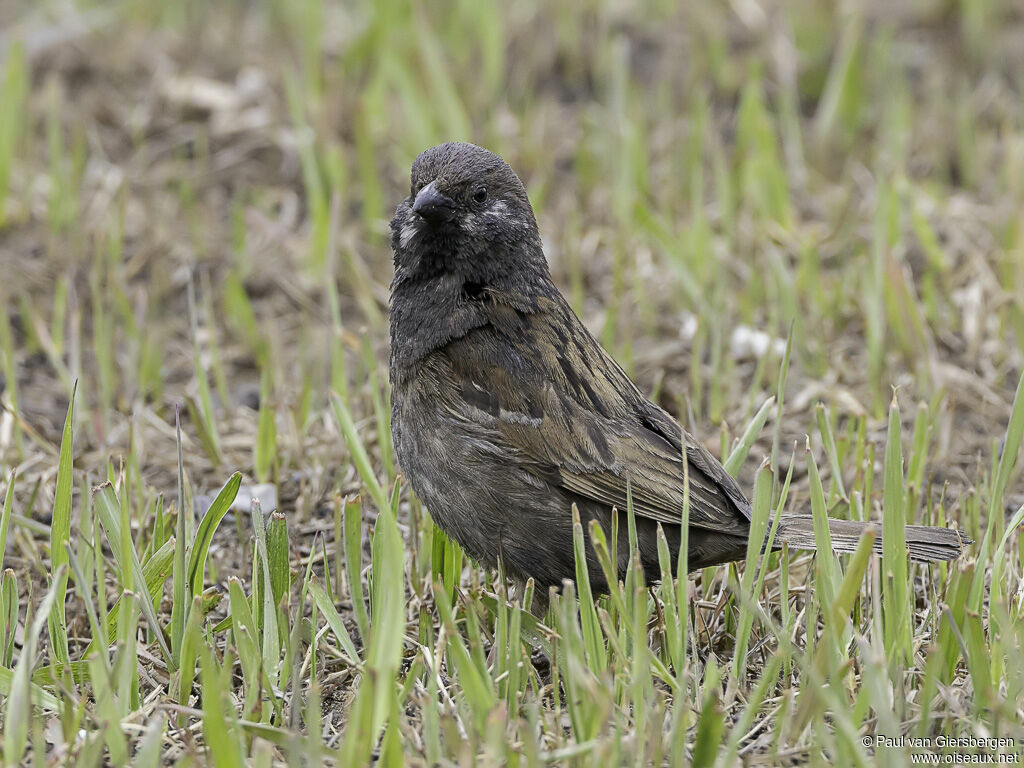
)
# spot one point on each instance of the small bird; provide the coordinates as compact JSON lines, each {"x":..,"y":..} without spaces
{"x":506,"y":411}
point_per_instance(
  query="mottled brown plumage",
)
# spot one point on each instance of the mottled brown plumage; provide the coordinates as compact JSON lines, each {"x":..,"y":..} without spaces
{"x":506,"y":411}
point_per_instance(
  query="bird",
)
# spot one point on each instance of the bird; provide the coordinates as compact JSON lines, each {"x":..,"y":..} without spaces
{"x":506,"y":412}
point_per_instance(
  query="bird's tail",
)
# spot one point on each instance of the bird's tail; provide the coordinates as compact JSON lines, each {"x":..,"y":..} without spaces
{"x":925,"y":543}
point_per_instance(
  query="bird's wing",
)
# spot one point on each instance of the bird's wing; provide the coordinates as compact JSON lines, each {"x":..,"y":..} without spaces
{"x":545,"y":387}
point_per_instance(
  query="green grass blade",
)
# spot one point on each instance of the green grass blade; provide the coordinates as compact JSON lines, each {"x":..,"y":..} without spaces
{"x":155,"y":572}
{"x":334,"y":621}
{"x":353,"y":546}
{"x":246,"y":635}
{"x":184,"y":678}
{"x":221,"y":731}
{"x":207,"y":528}
{"x":760,"y":509}
{"x":60,"y":534}
{"x":828,"y":570}
{"x":181,"y":596}
{"x":711,"y":722}
{"x":5,"y":516}
{"x":269,"y":637}
{"x":593,"y":642}
{"x":359,"y":455}
{"x":8,"y":615}
{"x":278,"y":554}
{"x":108,"y":508}
{"x":387,"y":632}
{"x":894,"y":547}
{"x":828,"y":440}
{"x":40,"y":696}
{"x":739,"y":453}
{"x":19,"y":702}
{"x":151,"y":743}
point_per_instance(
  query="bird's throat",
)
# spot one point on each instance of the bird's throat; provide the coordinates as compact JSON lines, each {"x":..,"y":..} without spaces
{"x":428,"y":314}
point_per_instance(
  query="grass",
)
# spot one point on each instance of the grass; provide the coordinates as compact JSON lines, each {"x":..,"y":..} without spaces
{"x":798,"y":227}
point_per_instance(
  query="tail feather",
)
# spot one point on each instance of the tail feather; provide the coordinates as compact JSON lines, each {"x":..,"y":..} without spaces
{"x":925,"y":543}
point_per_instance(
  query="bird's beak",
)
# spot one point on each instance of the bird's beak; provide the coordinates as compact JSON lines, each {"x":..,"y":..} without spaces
{"x":432,"y":205}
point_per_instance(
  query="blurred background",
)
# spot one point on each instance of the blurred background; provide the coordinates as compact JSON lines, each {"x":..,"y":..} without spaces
{"x":194,"y":201}
{"x":194,"y":206}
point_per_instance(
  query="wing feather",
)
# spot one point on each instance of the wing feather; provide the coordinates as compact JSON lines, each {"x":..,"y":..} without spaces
{"x":573,"y":414}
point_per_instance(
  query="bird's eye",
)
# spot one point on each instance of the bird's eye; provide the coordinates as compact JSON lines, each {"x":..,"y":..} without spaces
{"x":480,"y":195}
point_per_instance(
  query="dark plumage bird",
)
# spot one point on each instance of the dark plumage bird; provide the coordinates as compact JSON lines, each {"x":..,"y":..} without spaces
{"x":506,"y":411}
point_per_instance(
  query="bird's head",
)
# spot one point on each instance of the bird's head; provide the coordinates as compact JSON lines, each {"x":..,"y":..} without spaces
{"x":467,"y":215}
